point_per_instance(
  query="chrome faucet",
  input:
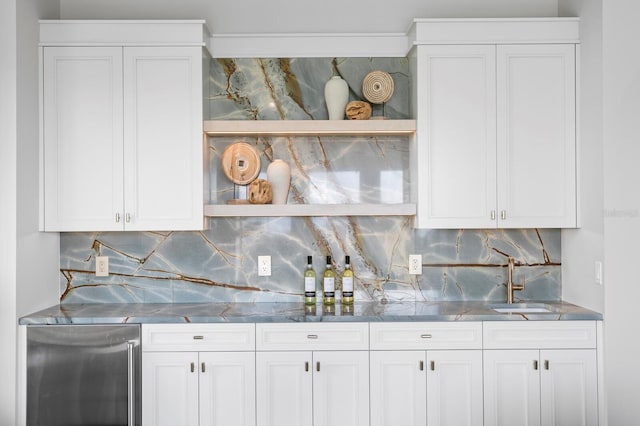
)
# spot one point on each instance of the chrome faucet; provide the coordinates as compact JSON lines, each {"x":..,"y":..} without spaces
{"x":511,"y":286}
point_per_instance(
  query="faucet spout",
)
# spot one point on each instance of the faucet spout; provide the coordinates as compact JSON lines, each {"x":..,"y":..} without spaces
{"x":511,"y":286}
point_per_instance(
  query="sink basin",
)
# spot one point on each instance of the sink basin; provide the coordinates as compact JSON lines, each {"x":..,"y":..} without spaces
{"x":521,"y":308}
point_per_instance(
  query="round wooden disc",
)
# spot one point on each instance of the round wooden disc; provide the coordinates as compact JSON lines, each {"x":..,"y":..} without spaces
{"x":241,"y":163}
{"x":377,"y":87}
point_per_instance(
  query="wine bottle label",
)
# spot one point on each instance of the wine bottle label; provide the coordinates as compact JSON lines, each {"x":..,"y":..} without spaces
{"x":329,"y":286}
{"x":347,"y":285}
{"x":310,"y":285}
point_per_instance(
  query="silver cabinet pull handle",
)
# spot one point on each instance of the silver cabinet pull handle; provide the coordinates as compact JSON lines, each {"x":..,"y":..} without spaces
{"x":503,"y":215}
{"x":127,"y":217}
{"x":202,"y":367}
{"x":433,"y":366}
{"x":318,"y":366}
{"x":535,"y":364}
{"x":198,"y":337}
{"x":421,"y":365}
{"x":425,"y":336}
{"x":193,"y":367}
{"x":117,"y":217}
{"x":312,"y":336}
{"x":493,"y":215}
{"x":131,"y":384}
{"x":546,"y":364}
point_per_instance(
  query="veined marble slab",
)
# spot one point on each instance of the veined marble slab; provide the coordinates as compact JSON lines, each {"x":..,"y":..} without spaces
{"x":293,"y":312}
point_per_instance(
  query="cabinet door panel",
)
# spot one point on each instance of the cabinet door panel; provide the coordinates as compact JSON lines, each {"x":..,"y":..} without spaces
{"x":227,"y":389}
{"x":341,"y":388}
{"x":398,"y":388}
{"x":511,"y":388}
{"x":82,"y":138}
{"x":284,"y":389}
{"x":569,"y":387}
{"x":163,"y":138}
{"x":169,"y":389}
{"x":454,"y":388}
{"x":536,"y":135}
{"x":457,"y":137}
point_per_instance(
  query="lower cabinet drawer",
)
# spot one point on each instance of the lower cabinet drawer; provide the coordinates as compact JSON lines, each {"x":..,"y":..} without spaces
{"x":540,"y":335}
{"x":198,"y":337}
{"x":426,"y":335}
{"x":315,"y":336}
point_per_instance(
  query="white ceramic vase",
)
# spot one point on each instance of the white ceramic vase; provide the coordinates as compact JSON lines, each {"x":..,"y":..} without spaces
{"x":279,"y":176}
{"x":336,"y":96}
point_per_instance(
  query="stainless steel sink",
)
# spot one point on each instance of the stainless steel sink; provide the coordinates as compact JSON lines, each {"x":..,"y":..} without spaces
{"x":521,"y":308}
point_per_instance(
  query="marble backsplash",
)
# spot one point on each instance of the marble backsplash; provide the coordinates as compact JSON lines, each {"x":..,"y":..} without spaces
{"x":220,"y":263}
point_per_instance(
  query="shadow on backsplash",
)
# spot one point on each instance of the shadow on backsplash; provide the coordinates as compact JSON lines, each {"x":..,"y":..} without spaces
{"x":220,"y":264}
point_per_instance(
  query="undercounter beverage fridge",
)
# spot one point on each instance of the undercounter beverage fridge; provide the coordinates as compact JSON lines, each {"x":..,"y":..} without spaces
{"x":85,"y":375}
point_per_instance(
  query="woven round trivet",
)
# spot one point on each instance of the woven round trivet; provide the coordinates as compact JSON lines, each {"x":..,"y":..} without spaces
{"x":377,"y":87}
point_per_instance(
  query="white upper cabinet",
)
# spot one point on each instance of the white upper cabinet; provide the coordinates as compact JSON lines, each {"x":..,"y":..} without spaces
{"x":536,"y":136}
{"x":456,"y":136}
{"x":82,"y":135}
{"x":121,"y":140}
{"x":496,"y":119}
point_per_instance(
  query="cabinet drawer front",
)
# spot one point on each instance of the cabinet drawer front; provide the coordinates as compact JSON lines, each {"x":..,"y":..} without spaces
{"x":318,"y":336}
{"x":540,"y":335}
{"x":426,"y":335}
{"x":198,"y":337}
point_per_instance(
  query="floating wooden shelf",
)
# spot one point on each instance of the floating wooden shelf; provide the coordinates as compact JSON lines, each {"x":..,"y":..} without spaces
{"x":309,"y":127}
{"x":274,"y":210}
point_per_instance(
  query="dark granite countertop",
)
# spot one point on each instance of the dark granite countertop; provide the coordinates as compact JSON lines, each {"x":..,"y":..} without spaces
{"x":148,"y":313}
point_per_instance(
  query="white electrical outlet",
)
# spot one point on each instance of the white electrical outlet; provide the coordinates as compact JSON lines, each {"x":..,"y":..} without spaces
{"x":598,"y":272}
{"x":264,"y":266}
{"x":415,"y":264}
{"x":102,"y":266}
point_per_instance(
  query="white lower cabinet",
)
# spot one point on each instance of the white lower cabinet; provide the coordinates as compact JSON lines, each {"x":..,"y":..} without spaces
{"x":191,"y":387}
{"x":432,"y":387}
{"x":493,"y":373}
{"x":539,"y":386}
{"x":304,"y":382}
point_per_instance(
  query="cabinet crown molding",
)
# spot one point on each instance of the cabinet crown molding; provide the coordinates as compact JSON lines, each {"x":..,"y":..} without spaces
{"x":192,"y":32}
{"x":491,"y":31}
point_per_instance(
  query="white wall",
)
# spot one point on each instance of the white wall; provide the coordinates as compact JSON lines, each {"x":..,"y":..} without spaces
{"x":8,"y":155}
{"x":581,"y":248}
{"x":37,"y":286}
{"x":24,"y":287}
{"x":282,"y":16}
{"x":621,"y":55}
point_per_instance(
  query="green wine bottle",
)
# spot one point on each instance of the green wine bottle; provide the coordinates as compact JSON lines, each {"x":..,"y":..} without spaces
{"x":347,"y":283}
{"x":329,"y":284}
{"x":309,"y":283}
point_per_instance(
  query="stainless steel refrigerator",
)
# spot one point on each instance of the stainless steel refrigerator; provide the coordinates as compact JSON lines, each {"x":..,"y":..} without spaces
{"x":85,"y":375}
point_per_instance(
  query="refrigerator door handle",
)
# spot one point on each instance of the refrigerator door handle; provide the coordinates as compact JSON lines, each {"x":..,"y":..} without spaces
{"x":131,"y":384}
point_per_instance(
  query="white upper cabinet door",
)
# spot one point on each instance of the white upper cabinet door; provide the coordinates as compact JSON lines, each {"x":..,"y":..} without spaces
{"x":163,"y":138}
{"x":82,"y":139}
{"x":454,"y":388}
{"x":569,"y":388}
{"x":536,"y":136}
{"x":457,"y":135}
{"x":227,"y":389}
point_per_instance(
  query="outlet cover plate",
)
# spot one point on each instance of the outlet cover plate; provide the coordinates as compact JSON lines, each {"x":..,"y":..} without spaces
{"x":264,"y":266}
{"x":102,"y":266}
{"x":415,"y":264}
